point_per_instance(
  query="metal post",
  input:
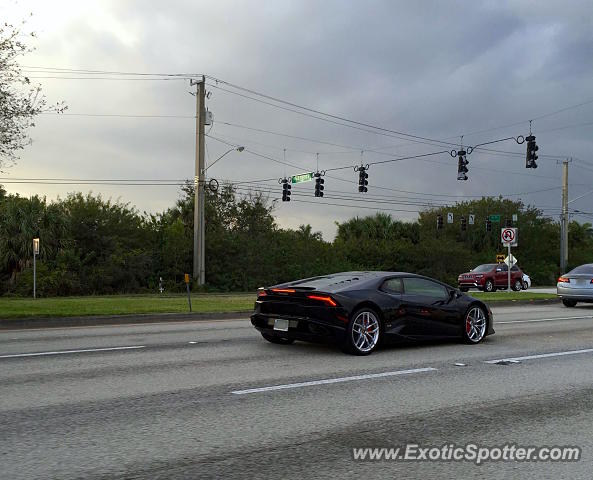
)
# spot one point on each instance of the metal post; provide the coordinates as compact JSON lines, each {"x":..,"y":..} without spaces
{"x":34,"y":274}
{"x":188,"y":296}
{"x":35,"y":253}
{"x":199,"y":271}
{"x":564,"y":220}
{"x":509,"y":268}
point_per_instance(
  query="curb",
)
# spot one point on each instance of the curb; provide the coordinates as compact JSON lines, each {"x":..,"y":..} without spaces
{"x":98,"y":320}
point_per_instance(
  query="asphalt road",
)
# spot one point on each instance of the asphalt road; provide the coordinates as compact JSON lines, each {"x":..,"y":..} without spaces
{"x":191,"y":400}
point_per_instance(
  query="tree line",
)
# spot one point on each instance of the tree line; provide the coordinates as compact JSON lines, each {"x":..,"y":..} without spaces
{"x":92,"y":245}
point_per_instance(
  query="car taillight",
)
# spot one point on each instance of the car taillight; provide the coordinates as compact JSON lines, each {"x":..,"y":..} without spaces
{"x":261,"y":293}
{"x":329,"y":300}
{"x":564,"y":280}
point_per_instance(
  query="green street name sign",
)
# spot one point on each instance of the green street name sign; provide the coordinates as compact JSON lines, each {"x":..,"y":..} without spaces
{"x":303,"y":177}
{"x":495,"y":218}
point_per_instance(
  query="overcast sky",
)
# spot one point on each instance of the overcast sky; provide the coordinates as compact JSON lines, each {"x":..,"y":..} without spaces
{"x":429,"y":68}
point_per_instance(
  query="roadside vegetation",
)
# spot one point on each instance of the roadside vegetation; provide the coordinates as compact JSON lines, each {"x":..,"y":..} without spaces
{"x":94,"y":246}
{"x":12,"y":308}
{"x":123,"y":305}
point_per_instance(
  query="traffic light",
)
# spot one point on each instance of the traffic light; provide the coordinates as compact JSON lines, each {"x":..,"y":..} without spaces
{"x":488,"y":225}
{"x":508,"y":222}
{"x":439,"y":222}
{"x":531,"y":155}
{"x":286,"y":190}
{"x":362,"y":179}
{"x":463,"y":224}
{"x":462,"y":165}
{"x":319,"y":185}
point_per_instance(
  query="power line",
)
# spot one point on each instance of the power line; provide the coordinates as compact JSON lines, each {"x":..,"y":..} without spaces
{"x":122,"y":115}
{"x":185,"y":76}
{"x":368,"y":125}
{"x":329,"y":120}
{"x":118,"y":79}
{"x":312,"y":140}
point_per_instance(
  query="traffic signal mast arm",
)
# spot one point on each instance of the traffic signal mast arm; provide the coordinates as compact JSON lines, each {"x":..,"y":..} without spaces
{"x":462,"y":168}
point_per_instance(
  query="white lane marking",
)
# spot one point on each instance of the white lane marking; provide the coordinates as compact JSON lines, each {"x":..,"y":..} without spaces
{"x":64,"y":352}
{"x":542,"y":355}
{"x":544,"y":319}
{"x":333,"y":380}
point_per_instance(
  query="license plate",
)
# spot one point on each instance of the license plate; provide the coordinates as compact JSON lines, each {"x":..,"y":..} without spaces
{"x":281,"y":324}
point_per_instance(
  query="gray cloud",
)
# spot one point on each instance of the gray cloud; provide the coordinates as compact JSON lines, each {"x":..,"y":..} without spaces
{"x":436,"y":69}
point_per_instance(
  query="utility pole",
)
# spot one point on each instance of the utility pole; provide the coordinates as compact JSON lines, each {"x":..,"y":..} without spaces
{"x":199,"y":272}
{"x":564,"y":220}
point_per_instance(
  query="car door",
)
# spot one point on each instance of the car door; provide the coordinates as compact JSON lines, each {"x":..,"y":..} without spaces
{"x":516,"y":274}
{"x":501,"y":276}
{"x":396,"y":323}
{"x":429,"y":307}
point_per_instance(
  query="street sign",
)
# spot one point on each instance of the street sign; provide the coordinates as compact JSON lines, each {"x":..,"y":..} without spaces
{"x":508,"y":236}
{"x":36,"y":246}
{"x":302,"y":177}
{"x":515,"y":217}
{"x":186,"y":278}
{"x":449,"y":218}
{"x":471,"y":219}
{"x":510,"y":260}
{"x":500,"y":258}
{"x":495,"y":218}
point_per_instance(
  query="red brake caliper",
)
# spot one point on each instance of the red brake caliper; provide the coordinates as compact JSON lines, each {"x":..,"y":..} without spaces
{"x":468,"y":325}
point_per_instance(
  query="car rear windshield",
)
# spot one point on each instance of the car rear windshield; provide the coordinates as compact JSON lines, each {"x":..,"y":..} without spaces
{"x":586,"y":269}
{"x":483,"y":268}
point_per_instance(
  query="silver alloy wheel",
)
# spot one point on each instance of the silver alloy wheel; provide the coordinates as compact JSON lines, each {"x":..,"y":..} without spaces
{"x":365,"y":331}
{"x":489,"y":286}
{"x":475,"y":324}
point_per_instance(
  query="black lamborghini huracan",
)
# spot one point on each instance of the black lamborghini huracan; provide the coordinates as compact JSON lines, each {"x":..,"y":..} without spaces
{"x":360,"y":310}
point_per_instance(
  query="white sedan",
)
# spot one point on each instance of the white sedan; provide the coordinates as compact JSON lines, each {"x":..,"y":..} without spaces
{"x":526,"y":281}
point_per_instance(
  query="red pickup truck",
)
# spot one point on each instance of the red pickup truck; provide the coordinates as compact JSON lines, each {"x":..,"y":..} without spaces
{"x":490,"y":276}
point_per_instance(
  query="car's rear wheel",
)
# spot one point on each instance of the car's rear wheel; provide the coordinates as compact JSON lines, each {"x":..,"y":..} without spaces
{"x":569,"y":303}
{"x":517,"y":286}
{"x":277,"y":340}
{"x":489,"y":286}
{"x":476,"y":322}
{"x":363,"y":333}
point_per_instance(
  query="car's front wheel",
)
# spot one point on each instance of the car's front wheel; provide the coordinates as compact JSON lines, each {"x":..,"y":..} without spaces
{"x":569,"y":303}
{"x":517,"y":286}
{"x":476,"y":322}
{"x":363,"y":332}
{"x":489,"y":286}
{"x":277,"y":340}
{"x":525,"y":286}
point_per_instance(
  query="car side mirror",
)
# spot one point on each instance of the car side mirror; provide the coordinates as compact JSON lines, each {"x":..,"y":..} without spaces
{"x":453,"y":294}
